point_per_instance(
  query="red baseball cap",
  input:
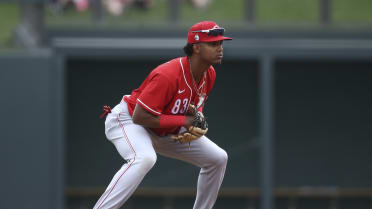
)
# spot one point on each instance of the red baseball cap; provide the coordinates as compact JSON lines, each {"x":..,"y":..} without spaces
{"x":206,"y":31}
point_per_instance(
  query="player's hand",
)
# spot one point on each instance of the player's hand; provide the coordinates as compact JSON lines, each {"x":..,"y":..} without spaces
{"x":189,"y":121}
{"x":191,"y":110}
{"x":197,"y":131}
{"x":199,"y":125}
{"x":196,"y":125}
{"x":192,"y":134}
{"x":195,"y":119}
{"x":185,"y":137}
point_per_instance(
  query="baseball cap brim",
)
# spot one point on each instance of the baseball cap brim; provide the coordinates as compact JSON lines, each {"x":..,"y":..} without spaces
{"x":217,"y":38}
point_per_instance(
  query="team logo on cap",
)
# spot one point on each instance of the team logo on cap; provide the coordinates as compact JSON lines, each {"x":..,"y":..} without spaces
{"x":196,"y":37}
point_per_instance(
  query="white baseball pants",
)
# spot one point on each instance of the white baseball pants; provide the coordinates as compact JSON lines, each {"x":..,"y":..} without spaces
{"x":139,"y":146}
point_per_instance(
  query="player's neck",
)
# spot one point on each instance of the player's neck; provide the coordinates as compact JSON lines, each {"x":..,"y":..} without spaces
{"x":197,"y":68}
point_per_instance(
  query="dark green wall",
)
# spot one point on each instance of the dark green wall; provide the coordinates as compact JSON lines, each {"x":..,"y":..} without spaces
{"x":323,"y":123}
{"x":27,"y":156}
{"x":322,"y":119}
{"x":93,"y":83}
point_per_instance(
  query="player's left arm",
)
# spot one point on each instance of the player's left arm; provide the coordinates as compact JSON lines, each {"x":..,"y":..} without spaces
{"x":150,"y":104}
{"x":143,"y":117}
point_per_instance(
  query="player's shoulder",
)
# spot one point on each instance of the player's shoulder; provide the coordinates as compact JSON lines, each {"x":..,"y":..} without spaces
{"x":211,"y":72}
{"x":169,"y":69}
{"x":167,"y":72}
{"x":171,"y":64}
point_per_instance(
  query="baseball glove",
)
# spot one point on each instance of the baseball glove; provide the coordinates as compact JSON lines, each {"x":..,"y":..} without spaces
{"x":198,"y":128}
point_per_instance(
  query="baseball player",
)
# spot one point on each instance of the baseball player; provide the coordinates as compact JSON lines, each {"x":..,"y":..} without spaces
{"x":164,"y":115}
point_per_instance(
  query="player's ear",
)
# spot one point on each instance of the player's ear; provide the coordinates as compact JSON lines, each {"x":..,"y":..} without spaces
{"x":196,"y":48}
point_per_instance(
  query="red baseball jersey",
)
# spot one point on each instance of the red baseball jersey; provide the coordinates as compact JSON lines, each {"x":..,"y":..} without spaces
{"x":169,"y":89}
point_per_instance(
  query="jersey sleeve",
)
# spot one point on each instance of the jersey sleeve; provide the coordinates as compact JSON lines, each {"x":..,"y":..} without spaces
{"x":156,"y":95}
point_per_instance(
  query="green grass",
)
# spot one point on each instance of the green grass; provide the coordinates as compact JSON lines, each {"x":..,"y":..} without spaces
{"x":225,"y":12}
{"x":9,"y":17}
{"x":155,"y":15}
{"x":268,"y":12}
{"x":218,"y":10}
{"x":351,"y":12}
{"x":287,"y":11}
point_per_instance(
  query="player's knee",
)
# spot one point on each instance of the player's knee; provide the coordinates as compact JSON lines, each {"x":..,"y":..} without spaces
{"x":220,"y":158}
{"x":147,"y":161}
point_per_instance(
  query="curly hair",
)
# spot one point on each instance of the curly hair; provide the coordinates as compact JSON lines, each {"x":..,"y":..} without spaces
{"x":188,"y":49}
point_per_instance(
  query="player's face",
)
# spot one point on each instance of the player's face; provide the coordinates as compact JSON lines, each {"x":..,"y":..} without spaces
{"x":211,"y":52}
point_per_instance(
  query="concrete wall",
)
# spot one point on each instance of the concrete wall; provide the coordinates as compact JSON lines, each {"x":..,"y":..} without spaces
{"x":52,"y":137}
{"x":30,"y":168}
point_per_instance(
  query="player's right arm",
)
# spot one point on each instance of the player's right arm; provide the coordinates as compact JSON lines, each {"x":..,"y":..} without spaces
{"x":143,"y":117}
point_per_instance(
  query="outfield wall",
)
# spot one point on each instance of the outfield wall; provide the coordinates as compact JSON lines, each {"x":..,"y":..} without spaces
{"x":53,"y":139}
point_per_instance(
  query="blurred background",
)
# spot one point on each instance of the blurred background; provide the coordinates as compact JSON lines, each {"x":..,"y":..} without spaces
{"x":291,"y":104}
